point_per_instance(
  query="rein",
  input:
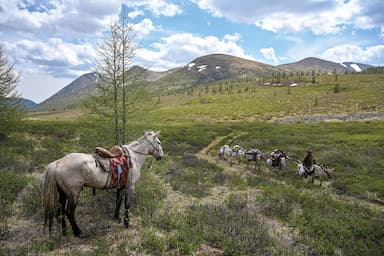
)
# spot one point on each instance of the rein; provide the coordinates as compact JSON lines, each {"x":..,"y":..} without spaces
{"x":142,"y":153}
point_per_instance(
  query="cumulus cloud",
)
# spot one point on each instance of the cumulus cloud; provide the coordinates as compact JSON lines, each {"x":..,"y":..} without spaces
{"x":269,"y":54}
{"x":73,"y":17}
{"x":179,"y":49}
{"x":158,"y":8}
{"x":144,"y":27}
{"x":350,"y":52}
{"x":320,"y":17}
{"x":135,"y":14}
{"x":233,"y":37}
{"x":54,"y":56}
{"x":32,"y":30}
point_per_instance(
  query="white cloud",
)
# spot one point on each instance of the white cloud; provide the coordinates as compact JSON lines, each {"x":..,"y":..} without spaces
{"x":54,"y":56}
{"x":72,"y":18}
{"x":269,"y":54}
{"x":179,"y":49}
{"x":320,"y":17}
{"x":135,"y":14}
{"x":350,"y":52}
{"x":233,"y":38}
{"x":144,"y":28}
{"x":158,"y":7}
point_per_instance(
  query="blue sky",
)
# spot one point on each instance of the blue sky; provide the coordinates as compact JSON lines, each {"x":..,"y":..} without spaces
{"x":52,"y":42}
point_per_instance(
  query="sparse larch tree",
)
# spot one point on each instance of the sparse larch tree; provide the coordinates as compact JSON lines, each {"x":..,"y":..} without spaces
{"x":121,"y":92}
{"x":10,"y":110}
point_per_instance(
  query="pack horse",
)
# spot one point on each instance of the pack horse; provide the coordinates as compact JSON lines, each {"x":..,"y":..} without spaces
{"x":65,"y":178}
{"x":255,"y":155}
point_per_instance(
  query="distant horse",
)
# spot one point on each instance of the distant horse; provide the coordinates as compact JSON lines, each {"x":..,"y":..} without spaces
{"x":236,"y":153}
{"x":65,"y":178}
{"x":317,"y":171}
{"x":278,"y":160}
{"x":224,"y":152}
{"x":253,"y":155}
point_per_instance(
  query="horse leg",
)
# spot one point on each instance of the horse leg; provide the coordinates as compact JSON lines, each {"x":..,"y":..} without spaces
{"x":71,"y":217}
{"x":119,"y":199}
{"x":127,"y":205}
{"x":63,"y":201}
{"x":73,"y":199}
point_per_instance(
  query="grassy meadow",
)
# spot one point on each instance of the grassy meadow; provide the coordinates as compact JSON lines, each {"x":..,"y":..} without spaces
{"x":192,"y":203}
{"x":247,"y":100}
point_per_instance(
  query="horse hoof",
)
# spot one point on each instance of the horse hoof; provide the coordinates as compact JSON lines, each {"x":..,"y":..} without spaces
{"x":82,"y":235}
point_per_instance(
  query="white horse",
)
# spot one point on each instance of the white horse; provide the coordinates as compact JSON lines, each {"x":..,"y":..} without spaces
{"x":317,"y":171}
{"x":236,"y":153}
{"x":65,"y":178}
{"x":224,"y":152}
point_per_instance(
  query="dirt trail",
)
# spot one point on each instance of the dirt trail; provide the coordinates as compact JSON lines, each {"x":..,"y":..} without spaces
{"x":285,"y":235}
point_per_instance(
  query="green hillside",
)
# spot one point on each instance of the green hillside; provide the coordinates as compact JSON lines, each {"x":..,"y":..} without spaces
{"x":243,"y":100}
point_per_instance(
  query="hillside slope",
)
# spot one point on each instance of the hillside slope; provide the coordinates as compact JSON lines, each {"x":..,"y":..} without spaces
{"x":324,"y":66}
{"x":72,"y":94}
{"x":213,"y":68}
{"x":203,"y":70}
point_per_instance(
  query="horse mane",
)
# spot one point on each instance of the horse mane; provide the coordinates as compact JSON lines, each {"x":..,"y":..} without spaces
{"x":135,"y":142}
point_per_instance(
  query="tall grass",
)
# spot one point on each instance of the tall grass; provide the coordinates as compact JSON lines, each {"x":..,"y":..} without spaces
{"x":327,"y":225}
{"x":233,"y":227}
{"x":352,"y":148}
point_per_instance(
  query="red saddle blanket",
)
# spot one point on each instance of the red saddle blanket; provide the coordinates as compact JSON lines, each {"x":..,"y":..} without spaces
{"x":118,"y":180}
{"x":112,"y":165}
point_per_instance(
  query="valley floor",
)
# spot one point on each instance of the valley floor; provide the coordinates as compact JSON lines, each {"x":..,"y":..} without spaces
{"x":25,"y":230}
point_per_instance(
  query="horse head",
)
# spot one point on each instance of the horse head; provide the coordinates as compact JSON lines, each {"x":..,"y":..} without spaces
{"x":154,"y":144}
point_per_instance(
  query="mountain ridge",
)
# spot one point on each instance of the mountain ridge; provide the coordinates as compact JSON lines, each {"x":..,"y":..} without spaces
{"x":202,"y":70}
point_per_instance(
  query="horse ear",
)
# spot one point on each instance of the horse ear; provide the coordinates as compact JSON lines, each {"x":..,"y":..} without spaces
{"x":157,"y":133}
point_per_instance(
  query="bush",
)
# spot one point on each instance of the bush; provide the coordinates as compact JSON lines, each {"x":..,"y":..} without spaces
{"x":149,"y":196}
{"x":194,"y":176}
{"x":10,"y":185}
{"x":233,"y":227}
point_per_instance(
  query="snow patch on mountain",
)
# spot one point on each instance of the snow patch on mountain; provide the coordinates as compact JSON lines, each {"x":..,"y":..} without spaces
{"x":356,"y":67}
{"x":202,"y":67}
{"x":191,"y":65}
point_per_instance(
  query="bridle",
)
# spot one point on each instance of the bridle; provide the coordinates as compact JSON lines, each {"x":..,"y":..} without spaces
{"x":150,"y":153}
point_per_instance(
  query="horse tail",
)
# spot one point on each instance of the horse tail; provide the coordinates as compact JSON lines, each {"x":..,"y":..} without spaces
{"x":50,"y":195}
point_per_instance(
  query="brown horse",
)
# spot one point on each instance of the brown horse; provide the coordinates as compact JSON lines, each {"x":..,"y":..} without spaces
{"x":65,"y":178}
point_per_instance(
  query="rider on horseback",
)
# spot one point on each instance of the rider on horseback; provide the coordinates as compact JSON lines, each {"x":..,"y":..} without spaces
{"x":309,"y":161}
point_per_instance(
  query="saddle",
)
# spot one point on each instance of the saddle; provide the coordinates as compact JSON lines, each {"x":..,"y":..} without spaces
{"x":115,"y":161}
{"x":116,"y":151}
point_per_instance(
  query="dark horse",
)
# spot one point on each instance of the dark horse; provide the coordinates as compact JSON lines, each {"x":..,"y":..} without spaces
{"x":65,"y":178}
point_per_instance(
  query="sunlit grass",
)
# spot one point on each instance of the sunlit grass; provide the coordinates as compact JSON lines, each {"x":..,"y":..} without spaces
{"x":358,"y":93}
